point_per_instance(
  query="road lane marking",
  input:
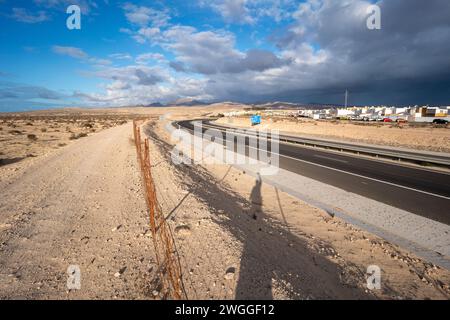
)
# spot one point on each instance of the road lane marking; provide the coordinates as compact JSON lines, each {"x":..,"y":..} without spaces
{"x":328,"y":158}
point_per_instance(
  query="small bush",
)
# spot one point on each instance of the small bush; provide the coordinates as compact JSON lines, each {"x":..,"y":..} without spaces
{"x":78,"y":136}
{"x":43,"y":129}
{"x":32,"y":137}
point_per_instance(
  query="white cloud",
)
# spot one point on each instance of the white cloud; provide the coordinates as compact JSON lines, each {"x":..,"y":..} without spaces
{"x":205,"y":52}
{"x":146,"y":57}
{"x":148,"y":20}
{"x":73,"y":52}
{"x":22,"y":15}
{"x":147,"y":34}
{"x":139,"y":84}
{"x":121,"y":56}
{"x":78,"y":53}
{"x":85,"y":5}
{"x":235,"y":11}
{"x":145,"y":16}
{"x":126,"y":30}
{"x":250,"y":11}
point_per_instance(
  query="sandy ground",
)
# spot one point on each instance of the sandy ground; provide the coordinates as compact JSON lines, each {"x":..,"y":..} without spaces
{"x":29,"y":135}
{"x":25,"y":136}
{"x":238,"y":238}
{"x":82,"y":204}
{"x":421,"y":138}
{"x":74,"y":202}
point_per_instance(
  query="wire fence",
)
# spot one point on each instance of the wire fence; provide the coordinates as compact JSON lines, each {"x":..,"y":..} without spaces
{"x":194,"y":205}
{"x":169,"y":269}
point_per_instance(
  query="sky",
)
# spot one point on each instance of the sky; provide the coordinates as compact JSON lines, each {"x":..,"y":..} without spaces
{"x":143,"y":52}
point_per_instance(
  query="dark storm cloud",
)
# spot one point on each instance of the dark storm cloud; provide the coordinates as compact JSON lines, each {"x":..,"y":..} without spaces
{"x":254,"y":60}
{"x":409,"y":54}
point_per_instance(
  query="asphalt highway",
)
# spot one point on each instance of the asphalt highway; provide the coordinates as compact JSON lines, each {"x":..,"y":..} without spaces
{"x":420,"y":191}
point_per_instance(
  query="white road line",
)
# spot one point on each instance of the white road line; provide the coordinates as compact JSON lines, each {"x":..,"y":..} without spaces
{"x":361,"y":176}
{"x":328,"y":158}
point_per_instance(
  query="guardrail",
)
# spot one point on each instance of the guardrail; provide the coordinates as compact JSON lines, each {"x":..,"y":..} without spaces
{"x":377,"y":152}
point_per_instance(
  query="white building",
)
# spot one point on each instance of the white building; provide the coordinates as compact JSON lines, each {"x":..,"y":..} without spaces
{"x":345,"y":113}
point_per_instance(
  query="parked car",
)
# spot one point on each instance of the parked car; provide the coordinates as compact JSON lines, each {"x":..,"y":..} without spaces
{"x":401,"y":121}
{"x":387,"y":120}
{"x":440,"y":121}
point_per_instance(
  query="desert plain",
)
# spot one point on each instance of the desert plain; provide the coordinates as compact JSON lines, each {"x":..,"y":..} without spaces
{"x":72,"y":194}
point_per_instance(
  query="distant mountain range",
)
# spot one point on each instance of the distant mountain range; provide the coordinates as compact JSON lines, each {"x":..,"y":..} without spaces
{"x":180,"y":102}
{"x":263,"y":105}
{"x":291,"y":105}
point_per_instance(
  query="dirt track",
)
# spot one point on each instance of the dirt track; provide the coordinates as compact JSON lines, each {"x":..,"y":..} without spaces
{"x":82,"y":205}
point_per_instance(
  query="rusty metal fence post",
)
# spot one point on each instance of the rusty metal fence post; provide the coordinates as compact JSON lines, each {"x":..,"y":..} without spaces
{"x":168,"y":265}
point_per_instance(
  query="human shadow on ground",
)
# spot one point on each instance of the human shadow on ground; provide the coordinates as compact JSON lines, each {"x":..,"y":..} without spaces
{"x":273,"y":260}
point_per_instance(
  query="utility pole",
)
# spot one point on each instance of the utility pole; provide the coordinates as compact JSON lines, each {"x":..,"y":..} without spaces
{"x":346,"y":99}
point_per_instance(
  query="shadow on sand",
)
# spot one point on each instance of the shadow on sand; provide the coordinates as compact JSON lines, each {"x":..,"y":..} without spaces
{"x":274,"y":260}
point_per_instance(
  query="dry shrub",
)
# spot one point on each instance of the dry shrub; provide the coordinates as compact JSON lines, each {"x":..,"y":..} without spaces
{"x":75,"y":136}
{"x":32,"y":137}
